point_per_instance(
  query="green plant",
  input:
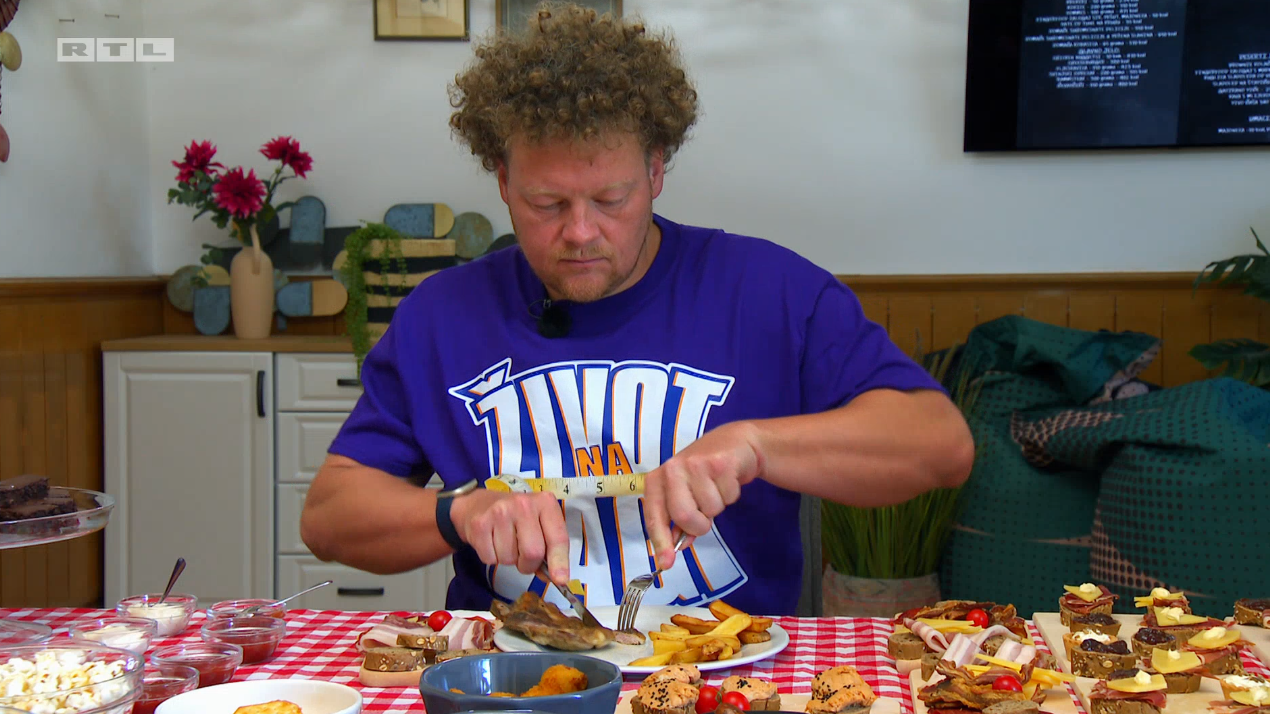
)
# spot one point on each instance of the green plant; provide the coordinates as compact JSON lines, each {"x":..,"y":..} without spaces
{"x":905,"y":540}
{"x":1239,"y":358}
{"x":372,"y":242}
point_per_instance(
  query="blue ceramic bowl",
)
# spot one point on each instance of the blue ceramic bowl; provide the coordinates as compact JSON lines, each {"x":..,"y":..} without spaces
{"x":479,"y":675}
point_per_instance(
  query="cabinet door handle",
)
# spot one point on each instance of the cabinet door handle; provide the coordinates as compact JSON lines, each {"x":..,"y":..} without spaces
{"x":348,"y":382}
{"x":260,"y":392}
{"x":360,"y":592}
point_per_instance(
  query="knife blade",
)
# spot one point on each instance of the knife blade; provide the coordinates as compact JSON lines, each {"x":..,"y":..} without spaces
{"x":573,"y":600}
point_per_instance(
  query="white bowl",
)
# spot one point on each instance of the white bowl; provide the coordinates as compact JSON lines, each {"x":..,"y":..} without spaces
{"x":311,"y":695}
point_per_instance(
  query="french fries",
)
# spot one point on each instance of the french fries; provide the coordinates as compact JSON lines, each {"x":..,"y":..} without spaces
{"x":688,"y":640}
{"x":723,"y":611}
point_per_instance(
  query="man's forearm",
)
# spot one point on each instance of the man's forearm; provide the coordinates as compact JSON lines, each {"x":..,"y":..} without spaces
{"x":370,"y":520}
{"x":883,"y":448}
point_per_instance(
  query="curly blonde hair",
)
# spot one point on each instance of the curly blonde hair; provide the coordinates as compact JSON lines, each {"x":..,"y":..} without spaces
{"x":572,"y":74}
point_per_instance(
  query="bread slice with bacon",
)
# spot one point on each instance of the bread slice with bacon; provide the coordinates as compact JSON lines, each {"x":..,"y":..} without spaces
{"x":1219,"y":648}
{"x":1085,"y":599}
{"x":1129,"y":692}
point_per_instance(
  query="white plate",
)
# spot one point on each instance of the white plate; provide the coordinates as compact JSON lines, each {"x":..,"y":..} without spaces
{"x":650,"y":618}
{"x":311,"y":695}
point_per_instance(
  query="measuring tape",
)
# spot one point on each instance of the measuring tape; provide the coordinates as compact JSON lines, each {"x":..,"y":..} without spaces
{"x":597,"y":486}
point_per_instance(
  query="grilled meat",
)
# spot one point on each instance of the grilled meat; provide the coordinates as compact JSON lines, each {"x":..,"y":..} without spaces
{"x":542,"y":622}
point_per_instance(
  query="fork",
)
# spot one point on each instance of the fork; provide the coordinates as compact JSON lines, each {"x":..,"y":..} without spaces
{"x":635,"y":590}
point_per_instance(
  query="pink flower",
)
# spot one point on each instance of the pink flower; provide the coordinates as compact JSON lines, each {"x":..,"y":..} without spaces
{"x":280,"y":149}
{"x":198,"y":157}
{"x":287,"y":150}
{"x":242,"y":196}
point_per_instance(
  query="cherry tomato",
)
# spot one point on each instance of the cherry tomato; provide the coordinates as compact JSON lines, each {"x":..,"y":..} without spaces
{"x":438,"y":619}
{"x":737,"y":700}
{"x":978,"y":617}
{"x":1006,"y":683}
{"x":707,"y":700}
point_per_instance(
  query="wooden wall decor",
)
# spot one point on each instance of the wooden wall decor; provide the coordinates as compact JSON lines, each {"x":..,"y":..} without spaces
{"x":941,"y":310}
{"x":51,"y":413}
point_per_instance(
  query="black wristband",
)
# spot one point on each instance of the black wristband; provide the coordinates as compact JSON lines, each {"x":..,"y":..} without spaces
{"x":446,"y":526}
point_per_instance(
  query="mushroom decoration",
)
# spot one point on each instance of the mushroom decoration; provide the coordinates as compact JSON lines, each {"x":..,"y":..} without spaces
{"x":10,"y":59}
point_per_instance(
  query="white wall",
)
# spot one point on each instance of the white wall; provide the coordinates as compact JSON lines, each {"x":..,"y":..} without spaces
{"x":831,"y":126}
{"x":74,"y":199}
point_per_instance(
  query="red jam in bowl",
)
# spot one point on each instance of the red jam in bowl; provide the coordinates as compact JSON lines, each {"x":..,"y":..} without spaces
{"x":216,"y":662}
{"x":257,"y":636}
{"x":212,"y":668}
{"x":161,"y":683}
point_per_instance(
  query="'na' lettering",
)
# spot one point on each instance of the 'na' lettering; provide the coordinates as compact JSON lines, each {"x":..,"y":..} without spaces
{"x":592,"y":418}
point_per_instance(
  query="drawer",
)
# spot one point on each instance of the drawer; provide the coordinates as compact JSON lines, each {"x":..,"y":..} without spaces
{"x":290,"y":502}
{"x":302,"y":441}
{"x":357,"y":590}
{"x":317,"y":382}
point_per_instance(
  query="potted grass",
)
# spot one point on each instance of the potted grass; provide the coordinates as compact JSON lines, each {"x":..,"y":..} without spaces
{"x":885,"y":560}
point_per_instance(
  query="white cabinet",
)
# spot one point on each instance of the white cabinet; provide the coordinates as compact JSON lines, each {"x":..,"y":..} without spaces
{"x":189,"y":460}
{"x":209,"y":455}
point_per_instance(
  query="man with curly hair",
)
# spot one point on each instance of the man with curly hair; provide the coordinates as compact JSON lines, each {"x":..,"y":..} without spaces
{"x":730,"y":372}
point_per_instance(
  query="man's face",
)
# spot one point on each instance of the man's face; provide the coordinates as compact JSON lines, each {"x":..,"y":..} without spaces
{"x":583,"y":213}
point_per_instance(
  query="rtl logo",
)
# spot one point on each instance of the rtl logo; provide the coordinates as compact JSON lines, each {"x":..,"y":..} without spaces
{"x":116,"y":49}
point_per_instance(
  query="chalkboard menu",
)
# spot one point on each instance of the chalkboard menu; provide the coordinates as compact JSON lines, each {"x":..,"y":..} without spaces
{"x":1089,"y":74}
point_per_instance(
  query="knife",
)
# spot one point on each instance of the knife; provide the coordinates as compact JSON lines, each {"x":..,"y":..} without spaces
{"x":578,"y":607}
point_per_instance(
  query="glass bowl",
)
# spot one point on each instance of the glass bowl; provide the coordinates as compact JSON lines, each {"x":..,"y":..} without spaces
{"x":235,"y":608}
{"x":89,"y":678}
{"x":258,"y":635}
{"x":216,"y":662}
{"x":161,"y":683}
{"x":14,"y":633}
{"x":126,"y":633}
{"x":172,"y":615}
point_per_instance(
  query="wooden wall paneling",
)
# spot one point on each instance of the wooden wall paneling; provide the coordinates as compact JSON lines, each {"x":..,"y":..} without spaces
{"x":1143,"y":311}
{"x":998,"y":304}
{"x":1234,"y":315}
{"x":1046,"y":307}
{"x":1091,"y":311}
{"x":909,"y":320}
{"x":83,"y":463}
{"x":953,"y":316}
{"x":1188,"y":321}
{"x":12,"y":561}
{"x":35,"y":317}
{"x":68,"y":337}
{"x":1263,"y":323}
{"x":875,"y":309}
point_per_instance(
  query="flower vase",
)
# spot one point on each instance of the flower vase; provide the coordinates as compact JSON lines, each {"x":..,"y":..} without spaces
{"x":251,"y":290}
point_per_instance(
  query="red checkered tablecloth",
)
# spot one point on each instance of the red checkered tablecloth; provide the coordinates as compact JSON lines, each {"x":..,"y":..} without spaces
{"x":320,"y":644}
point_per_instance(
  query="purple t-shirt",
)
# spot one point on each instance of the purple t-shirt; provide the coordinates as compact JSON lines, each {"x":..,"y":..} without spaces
{"x":721,"y":328}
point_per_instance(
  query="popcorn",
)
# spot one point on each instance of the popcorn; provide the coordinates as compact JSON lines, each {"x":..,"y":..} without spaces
{"x":33,"y":685}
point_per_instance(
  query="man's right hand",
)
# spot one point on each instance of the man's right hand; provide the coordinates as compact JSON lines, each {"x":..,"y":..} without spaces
{"x":520,"y":529}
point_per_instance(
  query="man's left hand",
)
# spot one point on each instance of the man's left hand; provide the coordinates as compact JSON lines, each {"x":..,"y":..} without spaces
{"x":696,"y":484}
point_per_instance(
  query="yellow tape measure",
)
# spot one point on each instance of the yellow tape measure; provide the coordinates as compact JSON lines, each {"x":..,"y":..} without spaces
{"x":597,"y":486}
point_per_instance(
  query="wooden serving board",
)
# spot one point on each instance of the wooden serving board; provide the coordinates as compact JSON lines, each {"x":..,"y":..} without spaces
{"x":789,"y":702}
{"x":1052,"y":631}
{"x":1057,"y":701}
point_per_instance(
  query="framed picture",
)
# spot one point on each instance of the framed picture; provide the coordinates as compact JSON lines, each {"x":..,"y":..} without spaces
{"x":422,"y":19}
{"x":515,"y":14}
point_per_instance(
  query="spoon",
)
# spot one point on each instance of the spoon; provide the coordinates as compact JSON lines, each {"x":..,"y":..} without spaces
{"x":176,"y":573}
{"x":252,"y":610}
